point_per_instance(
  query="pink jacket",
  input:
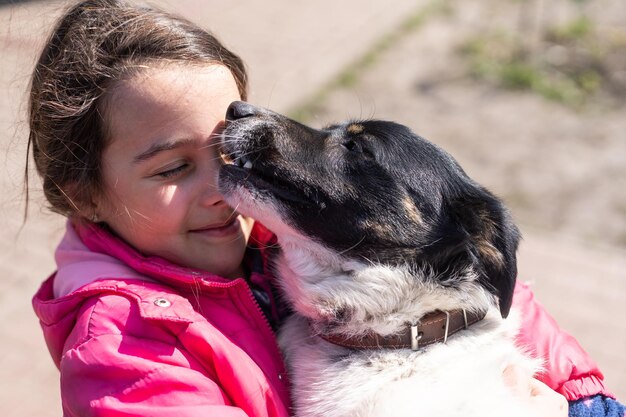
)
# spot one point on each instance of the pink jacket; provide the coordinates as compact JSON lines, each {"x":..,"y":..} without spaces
{"x":139,"y":336}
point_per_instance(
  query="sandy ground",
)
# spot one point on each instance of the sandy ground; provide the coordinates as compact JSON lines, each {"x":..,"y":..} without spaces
{"x":561,"y":171}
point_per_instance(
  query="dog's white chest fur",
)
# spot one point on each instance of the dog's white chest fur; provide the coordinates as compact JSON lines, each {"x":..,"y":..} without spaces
{"x":460,"y":378}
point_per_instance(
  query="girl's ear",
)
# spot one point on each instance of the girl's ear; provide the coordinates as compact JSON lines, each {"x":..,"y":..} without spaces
{"x":84,"y":206}
{"x":492,"y":239}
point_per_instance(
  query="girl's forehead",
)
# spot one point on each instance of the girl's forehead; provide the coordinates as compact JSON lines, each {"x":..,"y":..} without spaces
{"x":171,"y":99}
{"x":157,"y":82}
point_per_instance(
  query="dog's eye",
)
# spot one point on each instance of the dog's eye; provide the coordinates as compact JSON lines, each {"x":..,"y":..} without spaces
{"x":351,"y":146}
{"x":357,"y":147}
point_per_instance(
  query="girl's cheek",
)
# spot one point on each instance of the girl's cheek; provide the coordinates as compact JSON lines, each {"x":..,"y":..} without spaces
{"x":167,"y":194}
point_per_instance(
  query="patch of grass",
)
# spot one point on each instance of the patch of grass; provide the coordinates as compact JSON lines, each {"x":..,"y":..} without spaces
{"x":568,"y":66}
{"x":519,"y":75}
{"x":576,"y":30}
{"x":351,"y":74}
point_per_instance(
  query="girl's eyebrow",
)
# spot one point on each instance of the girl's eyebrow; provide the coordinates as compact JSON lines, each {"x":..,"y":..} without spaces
{"x":157,"y":148}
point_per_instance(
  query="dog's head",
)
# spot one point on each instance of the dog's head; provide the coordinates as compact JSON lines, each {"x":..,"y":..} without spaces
{"x":369,"y":191}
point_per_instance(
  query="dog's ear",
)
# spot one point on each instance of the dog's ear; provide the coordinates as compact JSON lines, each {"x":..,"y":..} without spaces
{"x":492,"y":239}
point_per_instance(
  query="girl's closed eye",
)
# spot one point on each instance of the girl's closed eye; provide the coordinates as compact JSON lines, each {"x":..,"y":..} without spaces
{"x":173,"y":172}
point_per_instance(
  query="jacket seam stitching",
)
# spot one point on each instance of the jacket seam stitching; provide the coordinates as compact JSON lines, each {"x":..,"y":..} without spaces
{"x":133,"y":296}
{"x":89,"y":334}
{"x":86,"y":339}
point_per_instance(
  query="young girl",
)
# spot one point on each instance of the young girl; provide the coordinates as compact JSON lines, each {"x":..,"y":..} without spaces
{"x":162,"y":303}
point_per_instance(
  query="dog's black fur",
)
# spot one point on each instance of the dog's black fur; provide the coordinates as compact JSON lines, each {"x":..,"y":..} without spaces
{"x":374,"y":190}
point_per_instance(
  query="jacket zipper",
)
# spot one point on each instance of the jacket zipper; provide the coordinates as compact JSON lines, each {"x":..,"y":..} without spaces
{"x":282,"y":370}
{"x":259,"y":311}
{"x":268,"y":328}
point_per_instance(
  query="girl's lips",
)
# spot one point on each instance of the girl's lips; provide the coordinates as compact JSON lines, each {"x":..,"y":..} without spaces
{"x":227,"y":229}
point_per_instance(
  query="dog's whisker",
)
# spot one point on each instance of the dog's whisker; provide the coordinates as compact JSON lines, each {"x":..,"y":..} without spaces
{"x":353,"y":246}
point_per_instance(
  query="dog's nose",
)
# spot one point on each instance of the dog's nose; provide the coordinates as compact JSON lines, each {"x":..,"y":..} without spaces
{"x":240,"y":110}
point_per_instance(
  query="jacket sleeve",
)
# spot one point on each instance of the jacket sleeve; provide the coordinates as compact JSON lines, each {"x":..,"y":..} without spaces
{"x":568,"y":368}
{"x":121,"y":375}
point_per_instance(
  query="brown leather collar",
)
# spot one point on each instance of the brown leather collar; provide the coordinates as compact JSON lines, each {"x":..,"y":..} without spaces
{"x":431,"y":328}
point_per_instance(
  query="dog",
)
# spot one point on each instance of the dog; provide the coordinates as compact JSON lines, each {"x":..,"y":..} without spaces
{"x":398,"y":267}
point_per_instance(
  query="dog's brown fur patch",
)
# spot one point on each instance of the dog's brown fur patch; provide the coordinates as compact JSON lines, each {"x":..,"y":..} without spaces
{"x":381,"y":230}
{"x":412,"y":212}
{"x":484,"y":241}
{"x":355,"y":129}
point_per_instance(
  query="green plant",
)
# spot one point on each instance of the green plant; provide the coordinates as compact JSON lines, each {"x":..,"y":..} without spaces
{"x":576,"y":30}
{"x":506,"y":60}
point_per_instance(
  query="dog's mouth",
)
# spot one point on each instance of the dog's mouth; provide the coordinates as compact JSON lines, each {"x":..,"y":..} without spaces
{"x":260,"y":176}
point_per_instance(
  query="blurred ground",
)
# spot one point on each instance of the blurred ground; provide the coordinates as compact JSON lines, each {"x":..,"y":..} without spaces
{"x":559,"y":167}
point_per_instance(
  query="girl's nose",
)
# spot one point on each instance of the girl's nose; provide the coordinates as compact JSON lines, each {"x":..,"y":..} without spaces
{"x":211,"y":197}
{"x":209,"y":164}
{"x":206,"y":183}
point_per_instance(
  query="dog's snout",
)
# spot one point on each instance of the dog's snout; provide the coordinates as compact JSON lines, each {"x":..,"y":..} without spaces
{"x":240,"y":110}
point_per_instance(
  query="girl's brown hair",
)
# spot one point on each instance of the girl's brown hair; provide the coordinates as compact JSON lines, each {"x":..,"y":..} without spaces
{"x":95,"y":44}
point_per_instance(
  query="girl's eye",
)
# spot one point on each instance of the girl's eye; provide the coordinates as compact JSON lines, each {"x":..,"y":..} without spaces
{"x":170,"y":173}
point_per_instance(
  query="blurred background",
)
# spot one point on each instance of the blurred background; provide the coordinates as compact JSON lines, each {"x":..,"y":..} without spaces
{"x":528,"y":95}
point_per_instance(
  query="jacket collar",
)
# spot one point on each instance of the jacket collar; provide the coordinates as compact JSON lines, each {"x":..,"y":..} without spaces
{"x":78,"y":266}
{"x":90,"y":252}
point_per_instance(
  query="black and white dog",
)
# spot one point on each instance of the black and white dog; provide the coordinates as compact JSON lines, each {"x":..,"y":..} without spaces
{"x":398,"y":266}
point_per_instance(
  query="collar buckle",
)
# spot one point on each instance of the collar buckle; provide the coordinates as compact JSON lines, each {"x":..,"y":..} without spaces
{"x":416,"y":335}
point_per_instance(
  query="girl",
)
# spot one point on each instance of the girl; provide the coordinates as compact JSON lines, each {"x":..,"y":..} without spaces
{"x":162,"y":303}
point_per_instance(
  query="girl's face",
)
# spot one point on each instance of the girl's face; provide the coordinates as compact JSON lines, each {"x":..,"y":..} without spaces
{"x":161,"y":165}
